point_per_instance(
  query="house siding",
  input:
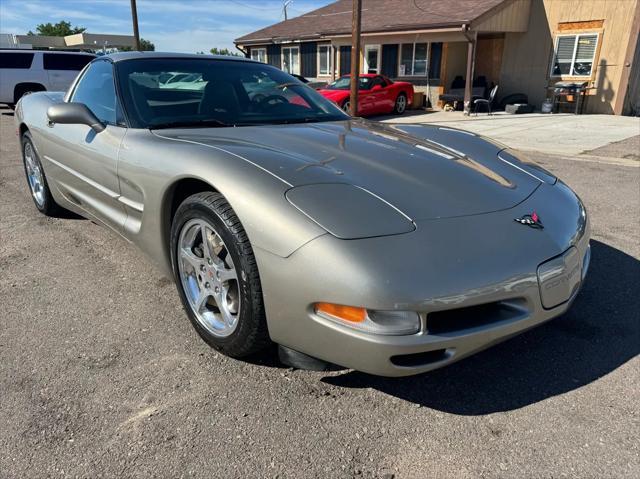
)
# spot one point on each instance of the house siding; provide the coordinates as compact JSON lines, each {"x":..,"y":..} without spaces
{"x":527,"y":56}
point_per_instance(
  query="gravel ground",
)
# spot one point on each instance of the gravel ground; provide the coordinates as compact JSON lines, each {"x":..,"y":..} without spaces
{"x":102,"y":375}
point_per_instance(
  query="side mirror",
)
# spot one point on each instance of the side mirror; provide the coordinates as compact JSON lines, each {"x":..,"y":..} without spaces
{"x":376,"y":88}
{"x":74,"y":114}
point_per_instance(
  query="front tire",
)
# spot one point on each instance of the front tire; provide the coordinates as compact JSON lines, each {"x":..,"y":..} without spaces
{"x":36,"y":179}
{"x":346,"y":107}
{"x":217,"y":277}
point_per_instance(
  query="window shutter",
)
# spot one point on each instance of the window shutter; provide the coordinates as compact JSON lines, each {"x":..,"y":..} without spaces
{"x":390,"y":60}
{"x":435,"y":60}
{"x":273,"y":55}
{"x":345,"y":60}
{"x":309,"y":59}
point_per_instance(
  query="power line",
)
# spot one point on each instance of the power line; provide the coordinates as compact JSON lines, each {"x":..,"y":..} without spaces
{"x":254,"y":7}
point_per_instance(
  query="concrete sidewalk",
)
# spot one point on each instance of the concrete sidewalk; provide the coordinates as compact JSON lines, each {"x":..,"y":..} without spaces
{"x":559,"y":134}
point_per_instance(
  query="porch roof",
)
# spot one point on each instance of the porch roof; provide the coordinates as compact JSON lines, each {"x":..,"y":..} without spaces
{"x":378,"y":16}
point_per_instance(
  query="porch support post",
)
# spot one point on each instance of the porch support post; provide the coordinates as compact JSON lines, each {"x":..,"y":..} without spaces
{"x":471,"y":60}
{"x":356,"y":23}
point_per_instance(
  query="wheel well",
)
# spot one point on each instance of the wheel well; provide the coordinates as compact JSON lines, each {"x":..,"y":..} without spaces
{"x":22,"y":130}
{"x":23,"y":87}
{"x":176,"y":194}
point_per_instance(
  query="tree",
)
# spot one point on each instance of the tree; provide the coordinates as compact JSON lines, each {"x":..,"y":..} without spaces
{"x":224,"y":51}
{"x":145,"y":46}
{"x":60,"y":29}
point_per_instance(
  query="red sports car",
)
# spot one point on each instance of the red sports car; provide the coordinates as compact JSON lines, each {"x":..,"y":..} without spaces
{"x":376,"y":95}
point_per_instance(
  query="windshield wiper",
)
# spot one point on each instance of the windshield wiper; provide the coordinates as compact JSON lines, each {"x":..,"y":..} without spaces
{"x":190,"y":124}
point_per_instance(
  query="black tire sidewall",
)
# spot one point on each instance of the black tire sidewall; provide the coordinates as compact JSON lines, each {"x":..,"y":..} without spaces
{"x":49,"y":204}
{"x":250,"y":312}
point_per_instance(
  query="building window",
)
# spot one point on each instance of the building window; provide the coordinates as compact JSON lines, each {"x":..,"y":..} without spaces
{"x":324,"y":60}
{"x":574,"y":55}
{"x":291,"y":60}
{"x":259,"y":54}
{"x":413,"y":59}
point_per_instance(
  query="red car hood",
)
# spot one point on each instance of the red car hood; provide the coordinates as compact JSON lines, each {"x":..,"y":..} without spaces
{"x":336,"y":96}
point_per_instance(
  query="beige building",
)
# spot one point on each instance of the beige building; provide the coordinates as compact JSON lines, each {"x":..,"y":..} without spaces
{"x":523,"y":46}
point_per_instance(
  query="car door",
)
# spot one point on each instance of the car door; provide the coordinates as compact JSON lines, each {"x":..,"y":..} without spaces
{"x":366,"y":99}
{"x":85,"y":162}
{"x":383,"y":101}
{"x":62,"y":68}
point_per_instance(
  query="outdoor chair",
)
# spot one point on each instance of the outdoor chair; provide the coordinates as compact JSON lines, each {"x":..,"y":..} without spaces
{"x":487,"y":101}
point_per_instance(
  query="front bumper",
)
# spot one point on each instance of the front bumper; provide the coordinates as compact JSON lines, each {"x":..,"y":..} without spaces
{"x":474,"y":281}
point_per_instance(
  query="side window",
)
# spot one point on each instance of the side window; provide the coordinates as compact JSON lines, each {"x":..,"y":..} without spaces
{"x":62,"y":61}
{"x":96,"y":90}
{"x":378,"y":81}
{"x":16,"y":60}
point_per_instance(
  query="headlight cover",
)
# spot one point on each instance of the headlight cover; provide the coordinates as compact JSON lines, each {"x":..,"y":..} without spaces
{"x":348,"y":211}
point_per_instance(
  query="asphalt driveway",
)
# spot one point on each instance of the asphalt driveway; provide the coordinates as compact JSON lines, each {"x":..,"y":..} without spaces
{"x":101,"y":374}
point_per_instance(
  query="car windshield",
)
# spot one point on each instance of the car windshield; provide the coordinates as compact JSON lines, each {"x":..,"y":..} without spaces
{"x":164,"y":93}
{"x":344,"y":83}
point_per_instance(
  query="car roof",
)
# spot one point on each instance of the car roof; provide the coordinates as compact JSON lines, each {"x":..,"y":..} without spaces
{"x":122,"y":56}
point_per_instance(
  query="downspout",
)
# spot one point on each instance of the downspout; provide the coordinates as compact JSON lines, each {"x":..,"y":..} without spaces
{"x":244,"y":52}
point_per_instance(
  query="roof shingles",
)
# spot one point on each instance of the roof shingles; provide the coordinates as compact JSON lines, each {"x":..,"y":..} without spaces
{"x":377,"y":16}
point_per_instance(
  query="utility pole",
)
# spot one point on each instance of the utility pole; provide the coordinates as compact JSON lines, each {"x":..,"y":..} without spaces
{"x":134,"y":17}
{"x":356,"y":23}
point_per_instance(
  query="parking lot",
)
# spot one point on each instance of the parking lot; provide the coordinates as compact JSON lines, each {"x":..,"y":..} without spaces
{"x":102,"y":375}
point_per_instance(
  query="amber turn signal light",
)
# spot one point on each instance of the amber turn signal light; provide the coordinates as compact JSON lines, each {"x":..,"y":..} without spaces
{"x":346,"y":313}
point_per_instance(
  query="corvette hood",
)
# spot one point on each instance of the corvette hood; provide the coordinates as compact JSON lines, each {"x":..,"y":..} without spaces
{"x":432,"y":172}
{"x":334,"y":95}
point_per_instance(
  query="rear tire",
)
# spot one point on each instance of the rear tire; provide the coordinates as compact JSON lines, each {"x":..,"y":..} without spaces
{"x":227,"y":313}
{"x":401,"y":104}
{"x":37,"y":180}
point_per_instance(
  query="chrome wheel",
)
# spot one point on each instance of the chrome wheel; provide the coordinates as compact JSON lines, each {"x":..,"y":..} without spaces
{"x":34,"y":175}
{"x":209,"y":278}
{"x":401,"y":103}
{"x":346,"y":107}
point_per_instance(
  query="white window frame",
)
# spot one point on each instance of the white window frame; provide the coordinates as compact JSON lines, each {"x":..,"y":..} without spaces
{"x":258,"y":51}
{"x":413,"y":59}
{"x":573,"y":57}
{"x":328,"y":55}
{"x":290,"y":48}
{"x":365,"y":66}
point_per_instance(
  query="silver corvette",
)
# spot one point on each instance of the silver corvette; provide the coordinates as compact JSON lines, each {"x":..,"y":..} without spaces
{"x":392,"y":250}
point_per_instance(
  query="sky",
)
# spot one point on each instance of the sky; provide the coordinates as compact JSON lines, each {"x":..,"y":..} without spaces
{"x":172,"y":25}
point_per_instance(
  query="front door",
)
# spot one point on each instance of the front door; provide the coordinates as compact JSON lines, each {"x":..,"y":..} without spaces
{"x":372,"y":59}
{"x":85,"y":162}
